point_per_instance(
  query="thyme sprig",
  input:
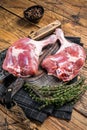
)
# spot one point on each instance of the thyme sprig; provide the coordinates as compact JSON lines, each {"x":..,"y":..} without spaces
{"x":58,"y":94}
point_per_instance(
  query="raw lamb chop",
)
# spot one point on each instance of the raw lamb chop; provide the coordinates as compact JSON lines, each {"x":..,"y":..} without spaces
{"x":67,"y":61}
{"x":22,"y":57}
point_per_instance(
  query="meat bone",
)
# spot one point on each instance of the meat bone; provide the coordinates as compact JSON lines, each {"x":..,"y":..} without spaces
{"x":14,"y":87}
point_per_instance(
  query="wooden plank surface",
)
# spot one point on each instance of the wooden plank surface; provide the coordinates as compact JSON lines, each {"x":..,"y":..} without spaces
{"x":81,"y":105}
{"x":73,"y":16}
{"x":14,"y":119}
{"x":59,"y":12}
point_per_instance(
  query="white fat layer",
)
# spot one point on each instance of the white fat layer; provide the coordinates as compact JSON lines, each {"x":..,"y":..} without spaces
{"x":38,"y":46}
{"x":16,"y":52}
{"x":38,"y":50}
{"x":17,"y":69}
{"x":64,"y":45}
{"x":72,"y":58}
{"x":56,"y":58}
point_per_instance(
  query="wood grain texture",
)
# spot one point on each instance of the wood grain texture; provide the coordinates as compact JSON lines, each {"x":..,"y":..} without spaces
{"x":12,"y":29}
{"x":74,"y":17}
{"x":81,"y":105}
{"x":13,"y":25}
{"x":77,"y":122}
{"x":14,"y":119}
{"x":70,"y":15}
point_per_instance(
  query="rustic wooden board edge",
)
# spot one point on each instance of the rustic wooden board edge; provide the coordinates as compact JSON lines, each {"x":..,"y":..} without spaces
{"x":45,"y":31}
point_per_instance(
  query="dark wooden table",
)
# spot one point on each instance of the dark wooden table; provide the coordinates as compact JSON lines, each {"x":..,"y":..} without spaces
{"x":73,"y":16}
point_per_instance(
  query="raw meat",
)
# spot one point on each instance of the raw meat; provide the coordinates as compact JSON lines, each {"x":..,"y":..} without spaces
{"x":67,"y":61}
{"x":22,"y":57}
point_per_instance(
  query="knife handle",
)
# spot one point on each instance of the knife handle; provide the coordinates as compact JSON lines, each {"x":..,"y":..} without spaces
{"x":45,"y":31}
{"x":12,"y":89}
